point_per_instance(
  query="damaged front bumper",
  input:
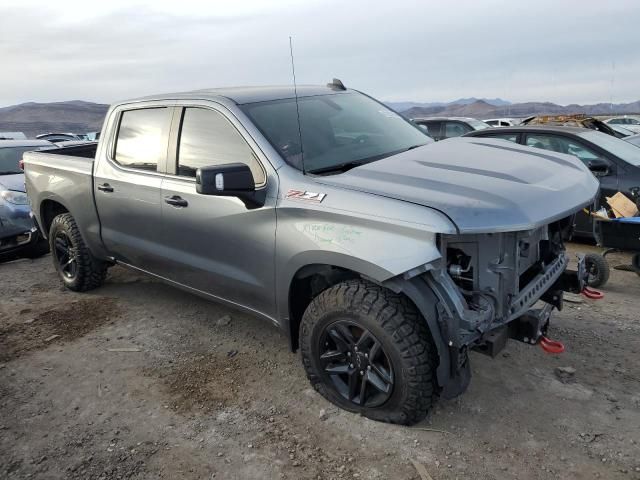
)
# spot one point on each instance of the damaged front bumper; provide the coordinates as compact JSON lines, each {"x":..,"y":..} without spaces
{"x":488,"y":290}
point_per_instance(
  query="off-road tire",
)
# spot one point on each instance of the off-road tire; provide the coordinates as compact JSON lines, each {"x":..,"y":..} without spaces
{"x":90,"y":272}
{"x":598,"y":269}
{"x":404,"y":336}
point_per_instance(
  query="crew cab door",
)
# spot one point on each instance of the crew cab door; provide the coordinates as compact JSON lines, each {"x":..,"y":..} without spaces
{"x":127,"y":182}
{"x":217,"y":244}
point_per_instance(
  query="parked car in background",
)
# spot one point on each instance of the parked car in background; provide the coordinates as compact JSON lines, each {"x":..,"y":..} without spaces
{"x":58,"y":137}
{"x":12,"y":136}
{"x":501,"y":122}
{"x":440,"y":128}
{"x":635,"y":139}
{"x":19,"y":235}
{"x":620,"y":131}
{"x":577,"y":120}
{"x":615,"y":162}
{"x":382,"y":256}
{"x":630,"y":123}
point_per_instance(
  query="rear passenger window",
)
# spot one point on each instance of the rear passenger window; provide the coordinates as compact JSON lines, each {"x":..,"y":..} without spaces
{"x":207,"y":138}
{"x":142,"y":138}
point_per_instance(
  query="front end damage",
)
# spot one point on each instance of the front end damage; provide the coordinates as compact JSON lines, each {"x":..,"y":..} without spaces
{"x":487,"y":286}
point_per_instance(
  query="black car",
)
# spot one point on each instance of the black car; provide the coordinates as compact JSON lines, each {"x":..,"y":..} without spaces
{"x":440,"y":128}
{"x":615,"y":162}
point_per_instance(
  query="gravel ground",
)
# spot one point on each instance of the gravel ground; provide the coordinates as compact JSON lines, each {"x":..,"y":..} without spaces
{"x":140,"y":380}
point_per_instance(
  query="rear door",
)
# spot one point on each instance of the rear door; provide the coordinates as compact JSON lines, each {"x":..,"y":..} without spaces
{"x":571,"y":146}
{"x":127,"y":183}
{"x":217,"y":244}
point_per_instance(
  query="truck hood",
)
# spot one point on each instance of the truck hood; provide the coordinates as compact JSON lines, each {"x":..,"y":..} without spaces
{"x":12,"y":182}
{"x":482,"y":185}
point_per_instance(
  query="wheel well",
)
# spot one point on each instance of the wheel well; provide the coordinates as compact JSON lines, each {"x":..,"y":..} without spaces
{"x":49,"y":210}
{"x":307,"y":283}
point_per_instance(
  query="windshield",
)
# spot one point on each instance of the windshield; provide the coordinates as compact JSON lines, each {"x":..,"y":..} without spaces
{"x":622,"y":149}
{"x":10,"y":156}
{"x":338,"y":131}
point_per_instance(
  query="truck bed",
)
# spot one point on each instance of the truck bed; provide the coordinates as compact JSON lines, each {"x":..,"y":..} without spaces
{"x":85,"y":150}
{"x":63,"y":176}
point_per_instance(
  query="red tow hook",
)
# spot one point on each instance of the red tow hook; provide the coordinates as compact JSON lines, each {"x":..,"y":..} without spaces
{"x":551,"y":346}
{"x":591,"y":293}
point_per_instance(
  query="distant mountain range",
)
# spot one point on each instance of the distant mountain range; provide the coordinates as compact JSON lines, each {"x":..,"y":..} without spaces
{"x":77,"y":116}
{"x":33,"y":119}
{"x":483,"y":109}
{"x":403,"y":106}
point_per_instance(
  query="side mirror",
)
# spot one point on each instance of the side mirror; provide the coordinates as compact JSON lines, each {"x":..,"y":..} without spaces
{"x":599,"y":167}
{"x":423,"y":127}
{"x":230,"y":180}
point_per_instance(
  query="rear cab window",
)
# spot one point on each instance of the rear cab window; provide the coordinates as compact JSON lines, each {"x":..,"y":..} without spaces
{"x":141,"y":141}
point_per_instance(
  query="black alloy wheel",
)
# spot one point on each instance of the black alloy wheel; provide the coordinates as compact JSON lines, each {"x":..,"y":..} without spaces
{"x":356,"y":364}
{"x":65,"y":255}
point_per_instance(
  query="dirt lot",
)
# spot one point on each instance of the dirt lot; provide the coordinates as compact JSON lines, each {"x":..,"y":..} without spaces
{"x":139,"y":380}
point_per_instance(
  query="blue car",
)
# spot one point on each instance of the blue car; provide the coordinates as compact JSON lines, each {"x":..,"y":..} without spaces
{"x":19,"y":235}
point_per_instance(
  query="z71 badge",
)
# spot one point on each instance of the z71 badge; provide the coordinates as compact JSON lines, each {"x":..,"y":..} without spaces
{"x":308,"y":196}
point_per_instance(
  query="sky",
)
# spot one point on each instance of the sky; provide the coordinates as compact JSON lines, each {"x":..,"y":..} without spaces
{"x":563,"y":51}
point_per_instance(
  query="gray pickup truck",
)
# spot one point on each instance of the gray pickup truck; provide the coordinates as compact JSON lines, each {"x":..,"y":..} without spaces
{"x":383,"y":256}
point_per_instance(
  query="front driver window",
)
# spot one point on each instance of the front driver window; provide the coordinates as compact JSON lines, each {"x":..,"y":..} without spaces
{"x":207,"y":138}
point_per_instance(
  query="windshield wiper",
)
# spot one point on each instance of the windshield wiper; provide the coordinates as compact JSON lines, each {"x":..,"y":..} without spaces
{"x":341,"y":167}
{"x":10,"y":172}
{"x":346,"y":166}
{"x":415,"y":146}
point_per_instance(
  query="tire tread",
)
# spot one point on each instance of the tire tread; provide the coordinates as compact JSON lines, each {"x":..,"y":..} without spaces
{"x":399,"y":318}
{"x":91,"y":272}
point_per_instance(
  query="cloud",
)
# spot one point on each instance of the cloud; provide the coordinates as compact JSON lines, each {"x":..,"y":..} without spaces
{"x":404,"y":50}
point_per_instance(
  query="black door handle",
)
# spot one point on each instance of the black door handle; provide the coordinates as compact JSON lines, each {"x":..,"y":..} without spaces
{"x":176,"y":201}
{"x":105,"y":187}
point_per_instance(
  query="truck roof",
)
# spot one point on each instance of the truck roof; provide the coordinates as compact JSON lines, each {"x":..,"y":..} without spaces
{"x":242,"y":95}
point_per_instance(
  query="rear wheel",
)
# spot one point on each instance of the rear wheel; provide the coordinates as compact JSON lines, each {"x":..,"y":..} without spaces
{"x":368,"y":350}
{"x":77,"y":267}
{"x":597,"y":269}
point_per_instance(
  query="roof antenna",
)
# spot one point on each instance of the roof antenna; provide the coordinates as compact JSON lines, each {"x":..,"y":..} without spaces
{"x":295,"y":91}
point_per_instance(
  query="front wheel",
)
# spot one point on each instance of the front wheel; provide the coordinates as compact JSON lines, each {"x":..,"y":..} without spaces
{"x":369,"y":351}
{"x":76,"y":266}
